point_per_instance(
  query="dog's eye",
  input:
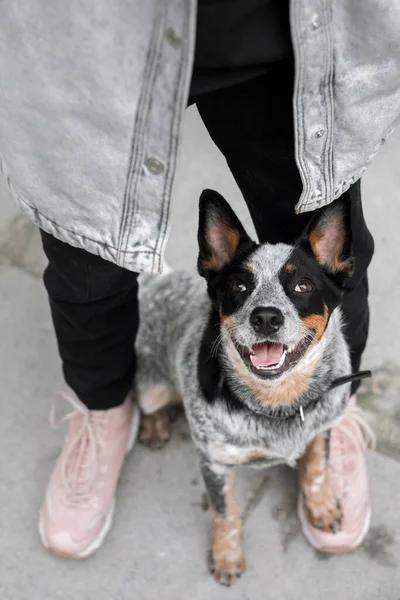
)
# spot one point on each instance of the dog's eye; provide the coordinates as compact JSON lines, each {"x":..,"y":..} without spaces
{"x":304,"y":286}
{"x":238,"y":287}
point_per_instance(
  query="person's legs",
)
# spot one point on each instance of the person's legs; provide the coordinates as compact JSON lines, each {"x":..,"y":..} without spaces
{"x":252,"y":124}
{"x":94,"y":306}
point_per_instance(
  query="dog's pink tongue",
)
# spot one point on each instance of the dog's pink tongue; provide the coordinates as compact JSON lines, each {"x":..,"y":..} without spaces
{"x":266,"y":355}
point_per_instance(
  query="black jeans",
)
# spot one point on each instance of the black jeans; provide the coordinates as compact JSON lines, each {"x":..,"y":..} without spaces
{"x":94,"y":302}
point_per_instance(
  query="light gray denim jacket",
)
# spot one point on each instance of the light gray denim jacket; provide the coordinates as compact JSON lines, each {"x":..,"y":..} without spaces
{"x":92,"y":96}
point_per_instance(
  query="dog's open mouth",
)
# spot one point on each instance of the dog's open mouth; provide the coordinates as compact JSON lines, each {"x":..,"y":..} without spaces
{"x":269,"y":359}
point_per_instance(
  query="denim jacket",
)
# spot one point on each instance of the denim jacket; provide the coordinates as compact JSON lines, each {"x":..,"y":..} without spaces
{"x":92,"y":96}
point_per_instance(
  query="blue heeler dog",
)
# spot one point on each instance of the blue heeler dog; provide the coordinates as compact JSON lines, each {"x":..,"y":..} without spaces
{"x":252,"y":354}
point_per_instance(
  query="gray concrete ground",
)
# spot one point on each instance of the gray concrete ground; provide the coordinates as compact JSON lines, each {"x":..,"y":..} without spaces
{"x":158,"y":545}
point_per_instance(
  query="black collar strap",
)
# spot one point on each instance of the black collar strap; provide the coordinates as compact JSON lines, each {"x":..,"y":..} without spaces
{"x":299,"y":413}
{"x":350,"y":378}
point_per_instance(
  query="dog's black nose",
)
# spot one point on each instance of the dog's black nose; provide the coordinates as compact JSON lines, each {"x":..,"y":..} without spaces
{"x":266,"y":319}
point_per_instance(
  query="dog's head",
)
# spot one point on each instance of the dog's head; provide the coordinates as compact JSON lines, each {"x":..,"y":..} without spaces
{"x":274,"y":301}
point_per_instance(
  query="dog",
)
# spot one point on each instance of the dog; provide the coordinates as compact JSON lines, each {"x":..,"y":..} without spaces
{"x":252,"y":349}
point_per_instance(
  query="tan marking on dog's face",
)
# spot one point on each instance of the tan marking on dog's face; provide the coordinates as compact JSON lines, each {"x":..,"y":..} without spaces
{"x":272,"y":394}
{"x":322,"y":507}
{"x":156,"y":396}
{"x":226,"y":553}
{"x":317,"y":323}
{"x":290,"y":268}
{"x":295,"y":383}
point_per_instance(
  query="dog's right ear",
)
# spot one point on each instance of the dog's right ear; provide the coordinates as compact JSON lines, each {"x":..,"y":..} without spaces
{"x":221,"y":235}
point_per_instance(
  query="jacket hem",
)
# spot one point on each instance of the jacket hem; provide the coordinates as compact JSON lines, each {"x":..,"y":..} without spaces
{"x":140,"y":260}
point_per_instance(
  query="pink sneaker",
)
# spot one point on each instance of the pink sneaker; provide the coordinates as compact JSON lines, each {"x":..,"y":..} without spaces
{"x":349,"y":480}
{"x":78,"y":507}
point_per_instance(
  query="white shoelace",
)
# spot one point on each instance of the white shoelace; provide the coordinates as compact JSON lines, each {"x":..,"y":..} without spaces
{"x":80,"y":462}
{"x":352,"y":436}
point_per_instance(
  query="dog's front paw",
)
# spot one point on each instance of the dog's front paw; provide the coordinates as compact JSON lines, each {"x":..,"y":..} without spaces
{"x":226,"y":568}
{"x":155,"y":430}
{"x":324,"y":511}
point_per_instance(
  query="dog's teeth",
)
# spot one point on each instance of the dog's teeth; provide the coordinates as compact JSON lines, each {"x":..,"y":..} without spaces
{"x":282,"y":359}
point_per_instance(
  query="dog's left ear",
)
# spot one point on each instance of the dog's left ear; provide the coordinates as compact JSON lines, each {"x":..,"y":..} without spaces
{"x":221,"y":235}
{"x":328,"y":235}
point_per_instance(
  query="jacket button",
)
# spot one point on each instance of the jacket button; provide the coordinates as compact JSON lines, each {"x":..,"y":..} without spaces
{"x":316,"y":22}
{"x":174,"y":39}
{"x":319,"y":133}
{"x":154,"y":165}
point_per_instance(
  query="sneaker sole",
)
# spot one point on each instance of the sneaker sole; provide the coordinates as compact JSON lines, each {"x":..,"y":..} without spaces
{"x":305,"y":526}
{"x":96,"y":543}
